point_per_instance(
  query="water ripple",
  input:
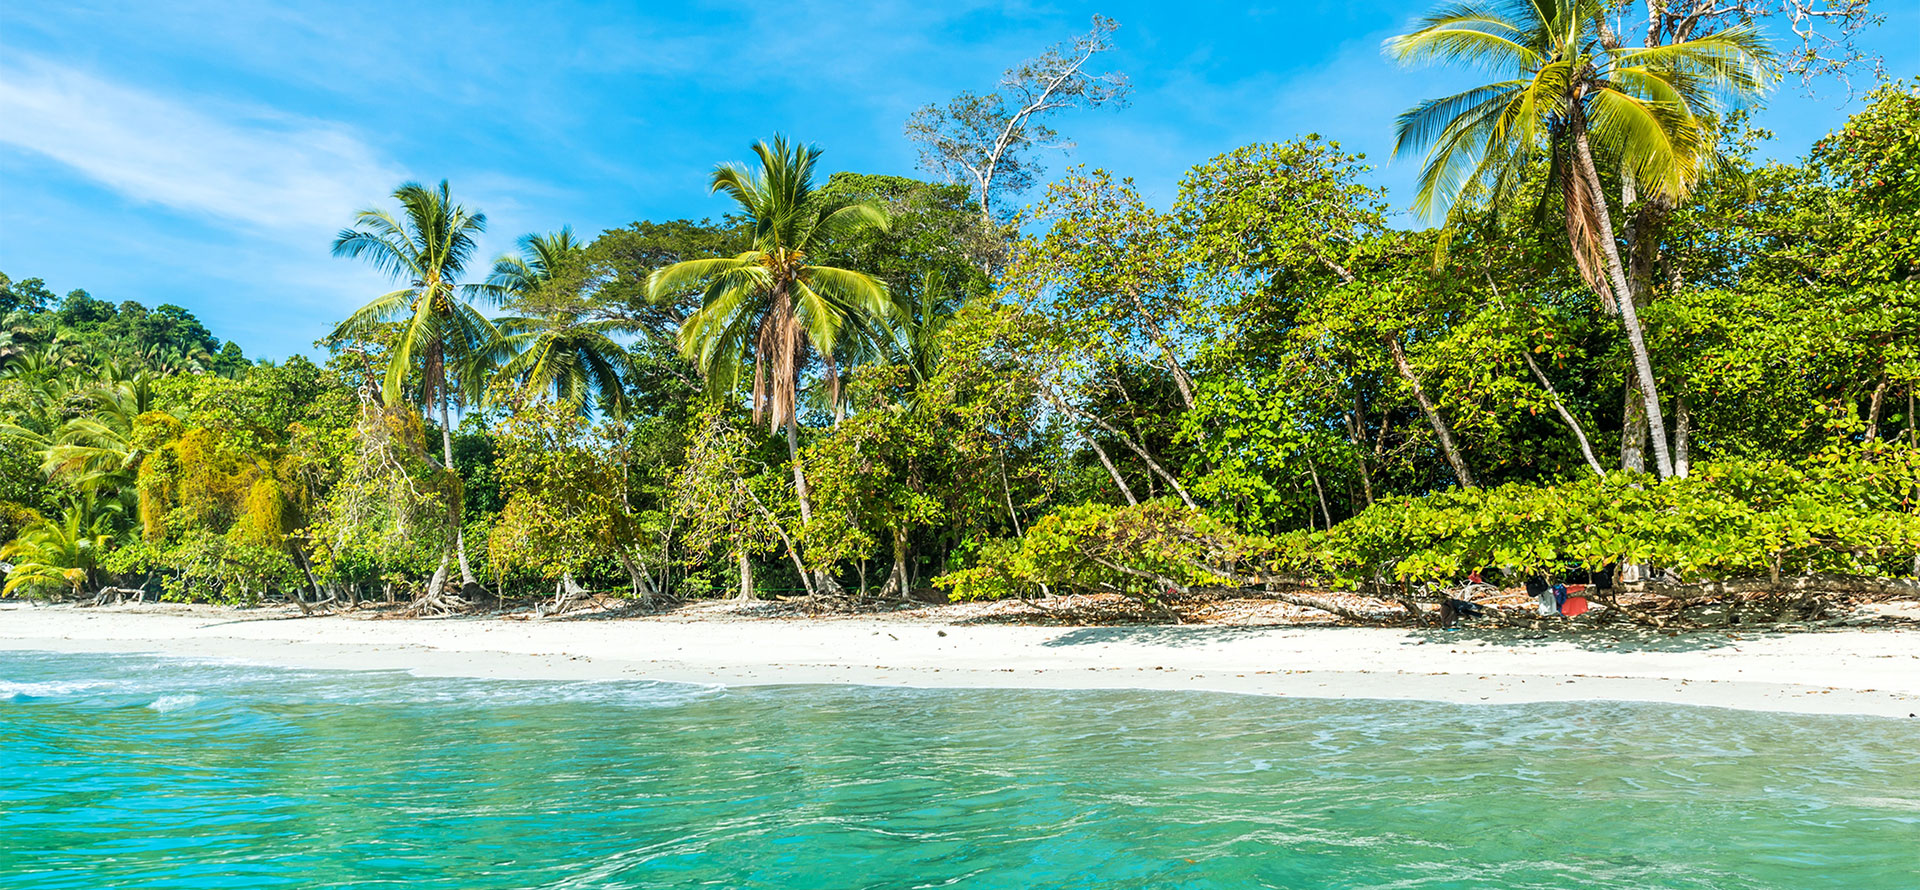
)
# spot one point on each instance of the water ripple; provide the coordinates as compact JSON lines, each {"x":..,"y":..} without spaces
{"x":127,"y":771}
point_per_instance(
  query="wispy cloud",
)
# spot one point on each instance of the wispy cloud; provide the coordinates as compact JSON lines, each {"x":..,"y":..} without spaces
{"x":242,"y":165}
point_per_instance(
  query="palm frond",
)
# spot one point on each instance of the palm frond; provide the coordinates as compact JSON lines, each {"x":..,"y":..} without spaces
{"x":1430,"y":121}
{"x":852,"y":220}
{"x":1663,"y":144}
{"x":687,"y":275}
{"x":382,"y":309}
{"x":1733,"y":59}
{"x":393,"y":259}
{"x":1478,"y":35}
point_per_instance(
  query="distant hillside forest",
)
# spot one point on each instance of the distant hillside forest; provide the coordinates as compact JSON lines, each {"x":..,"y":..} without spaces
{"x":1625,"y":347}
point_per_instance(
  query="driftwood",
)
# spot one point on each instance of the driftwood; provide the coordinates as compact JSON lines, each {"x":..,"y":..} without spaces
{"x":442,"y":601}
{"x":118,"y":595}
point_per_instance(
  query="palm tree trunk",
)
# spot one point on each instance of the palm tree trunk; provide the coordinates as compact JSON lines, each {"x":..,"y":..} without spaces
{"x":454,"y":510}
{"x":1623,"y":294}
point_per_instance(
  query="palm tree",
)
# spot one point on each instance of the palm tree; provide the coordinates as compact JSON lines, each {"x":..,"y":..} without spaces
{"x":64,"y":552}
{"x":1570,"y":90}
{"x":18,"y":332}
{"x":541,"y":257}
{"x":557,"y":350}
{"x":768,"y":306}
{"x":37,"y":363}
{"x":439,"y":333}
{"x":97,"y":450}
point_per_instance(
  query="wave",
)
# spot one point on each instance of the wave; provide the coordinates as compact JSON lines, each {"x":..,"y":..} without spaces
{"x":167,"y":703}
{"x":11,"y":690}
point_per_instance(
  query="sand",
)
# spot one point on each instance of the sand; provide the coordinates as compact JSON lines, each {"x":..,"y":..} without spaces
{"x":1870,"y":671}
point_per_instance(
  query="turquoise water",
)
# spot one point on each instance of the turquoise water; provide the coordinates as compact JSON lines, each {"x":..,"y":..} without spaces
{"x":130,"y":771}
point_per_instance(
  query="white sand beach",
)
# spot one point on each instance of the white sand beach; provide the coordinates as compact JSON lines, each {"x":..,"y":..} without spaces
{"x":1874,"y":671}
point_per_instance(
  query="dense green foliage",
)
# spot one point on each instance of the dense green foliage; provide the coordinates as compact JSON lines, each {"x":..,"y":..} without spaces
{"x":1265,"y":385}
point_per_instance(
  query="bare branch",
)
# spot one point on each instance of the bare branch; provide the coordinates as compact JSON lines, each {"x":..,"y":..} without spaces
{"x":984,"y":140}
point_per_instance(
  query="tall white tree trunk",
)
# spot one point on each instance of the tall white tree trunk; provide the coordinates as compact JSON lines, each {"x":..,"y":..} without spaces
{"x":1623,"y":294}
{"x":455,"y":509}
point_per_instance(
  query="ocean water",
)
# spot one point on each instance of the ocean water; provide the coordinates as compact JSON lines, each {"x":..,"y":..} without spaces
{"x":132,"y":771}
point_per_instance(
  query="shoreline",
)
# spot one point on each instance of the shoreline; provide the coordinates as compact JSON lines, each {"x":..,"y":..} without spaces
{"x":1857,"y":671}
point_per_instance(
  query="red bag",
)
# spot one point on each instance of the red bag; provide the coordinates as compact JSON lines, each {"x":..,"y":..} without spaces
{"x":1575,"y":605}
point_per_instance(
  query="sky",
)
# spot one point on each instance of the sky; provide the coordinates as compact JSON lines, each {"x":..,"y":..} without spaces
{"x":206,"y":154}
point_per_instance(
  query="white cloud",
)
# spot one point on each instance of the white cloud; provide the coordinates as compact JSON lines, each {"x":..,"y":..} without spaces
{"x":289,"y":175}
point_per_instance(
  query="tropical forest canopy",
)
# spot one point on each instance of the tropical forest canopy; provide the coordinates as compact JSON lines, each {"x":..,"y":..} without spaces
{"x":1620,"y":339}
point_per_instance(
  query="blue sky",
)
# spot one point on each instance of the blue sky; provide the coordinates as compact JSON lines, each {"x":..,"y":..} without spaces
{"x":205,"y":154}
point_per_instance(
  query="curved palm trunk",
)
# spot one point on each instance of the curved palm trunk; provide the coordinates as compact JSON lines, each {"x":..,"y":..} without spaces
{"x":1623,"y":296}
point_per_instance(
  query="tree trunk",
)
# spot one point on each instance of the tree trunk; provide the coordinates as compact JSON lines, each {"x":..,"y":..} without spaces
{"x":1579,"y":434}
{"x":746,"y":578}
{"x":1633,"y":426}
{"x":1682,"y":435}
{"x":897,"y":584}
{"x":1318,"y":492}
{"x":1912,"y":438}
{"x":454,"y":506}
{"x":799,"y":476}
{"x":306,"y":566}
{"x":642,"y":583}
{"x":1139,"y":451}
{"x":1356,"y":432}
{"x":439,"y":581}
{"x":1873,"y":410}
{"x":1623,"y":293}
{"x":793,"y":550}
{"x":1006,"y":489}
{"x":1180,"y":379}
{"x":1118,"y":480}
{"x":1447,"y":446}
{"x":817,"y":580}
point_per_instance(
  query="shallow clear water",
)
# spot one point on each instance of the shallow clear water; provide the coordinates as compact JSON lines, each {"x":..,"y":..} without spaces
{"x":128,"y":771}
